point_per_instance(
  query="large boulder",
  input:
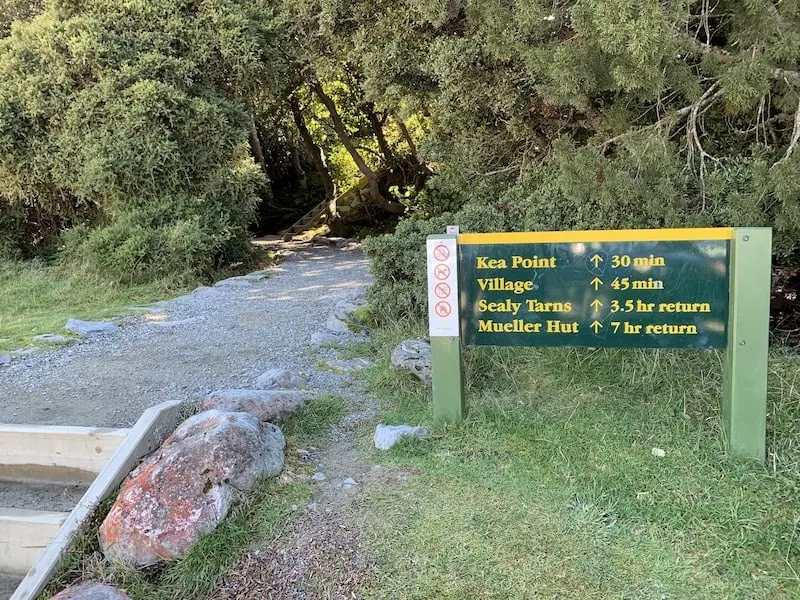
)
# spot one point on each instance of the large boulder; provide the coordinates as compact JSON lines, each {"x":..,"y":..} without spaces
{"x":187,"y":487}
{"x":90,"y":590}
{"x":270,"y":406}
{"x":414,"y":356}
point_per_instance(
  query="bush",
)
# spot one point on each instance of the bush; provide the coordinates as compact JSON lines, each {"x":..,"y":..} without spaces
{"x":398,"y":259}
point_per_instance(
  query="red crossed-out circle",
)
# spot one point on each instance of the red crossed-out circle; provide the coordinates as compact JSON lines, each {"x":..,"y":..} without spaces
{"x":443,"y":309}
{"x":441,"y":272}
{"x":442,"y":290}
{"x":441,"y":252}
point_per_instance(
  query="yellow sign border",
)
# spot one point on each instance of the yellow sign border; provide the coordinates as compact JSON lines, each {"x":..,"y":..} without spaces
{"x":600,"y":235}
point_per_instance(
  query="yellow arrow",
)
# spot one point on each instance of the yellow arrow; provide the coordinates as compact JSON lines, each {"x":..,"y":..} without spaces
{"x":596,"y":282}
{"x":597,"y":305}
{"x":597,"y":326}
{"x":596,"y":259}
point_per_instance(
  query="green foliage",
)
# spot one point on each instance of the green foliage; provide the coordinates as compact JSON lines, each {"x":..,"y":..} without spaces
{"x":102,"y":107}
{"x":398,"y":260}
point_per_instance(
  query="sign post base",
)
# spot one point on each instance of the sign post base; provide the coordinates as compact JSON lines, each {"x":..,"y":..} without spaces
{"x":744,"y":400}
{"x":448,"y":380}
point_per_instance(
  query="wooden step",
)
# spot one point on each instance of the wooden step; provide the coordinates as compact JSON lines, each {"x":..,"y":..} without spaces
{"x":56,"y":453}
{"x":24,"y":535}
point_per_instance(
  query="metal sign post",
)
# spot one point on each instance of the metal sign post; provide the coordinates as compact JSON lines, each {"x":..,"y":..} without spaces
{"x":744,"y":399}
{"x":443,"y":319}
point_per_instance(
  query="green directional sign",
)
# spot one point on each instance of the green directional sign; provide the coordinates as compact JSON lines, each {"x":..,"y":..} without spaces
{"x":660,"y":294}
{"x":662,"y":288}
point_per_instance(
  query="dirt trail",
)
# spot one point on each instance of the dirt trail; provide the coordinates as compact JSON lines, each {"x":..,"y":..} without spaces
{"x":214,"y":338}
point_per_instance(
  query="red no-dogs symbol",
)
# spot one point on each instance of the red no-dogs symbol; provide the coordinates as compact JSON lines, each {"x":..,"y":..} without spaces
{"x":441,"y":252}
{"x":443,"y":309}
{"x":441,"y":272}
{"x":442,"y":290}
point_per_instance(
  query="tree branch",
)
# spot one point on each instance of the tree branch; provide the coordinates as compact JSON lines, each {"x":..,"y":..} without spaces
{"x":672,"y":119}
{"x":785,"y":75}
{"x":795,"y":136}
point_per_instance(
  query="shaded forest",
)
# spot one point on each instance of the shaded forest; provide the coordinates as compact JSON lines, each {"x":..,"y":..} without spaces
{"x":153,"y":137}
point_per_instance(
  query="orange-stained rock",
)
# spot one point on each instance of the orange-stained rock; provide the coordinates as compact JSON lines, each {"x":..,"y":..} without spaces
{"x":90,"y":590}
{"x":187,"y":487}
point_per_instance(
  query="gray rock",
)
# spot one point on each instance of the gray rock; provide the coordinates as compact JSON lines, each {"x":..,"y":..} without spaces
{"x":20,"y":352}
{"x":349,"y":482}
{"x":274,"y":379}
{"x":50,"y":338}
{"x":414,"y":356}
{"x":203,"y":290}
{"x":147,"y":310}
{"x":387,"y":436}
{"x":341,"y":319}
{"x":256,"y":276}
{"x":90,"y":328}
{"x":185,"y":489}
{"x":347,"y":366}
{"x":233,"y":282}
{"x":318,"y":476}
{"x":5,"y":359}
{"x":91,"y":590}
{"x":346,"y":242}
{"x":324,"y":338}
{"x":265,"y":405}
{"x":178,"y":322}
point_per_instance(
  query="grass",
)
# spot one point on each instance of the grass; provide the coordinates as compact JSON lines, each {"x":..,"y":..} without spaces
{"x":551,"y":489}
{"x":38,"y":298}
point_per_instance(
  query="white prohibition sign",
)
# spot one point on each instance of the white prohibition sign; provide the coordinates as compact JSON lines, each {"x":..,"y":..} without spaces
{"x":443,"y":309}
{"x":441,"y":252}
{"x":442,"y":290}
{"x":441,"y":272}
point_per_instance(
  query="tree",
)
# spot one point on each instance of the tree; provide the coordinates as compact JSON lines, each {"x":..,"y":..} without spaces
{"x":135,"y":120}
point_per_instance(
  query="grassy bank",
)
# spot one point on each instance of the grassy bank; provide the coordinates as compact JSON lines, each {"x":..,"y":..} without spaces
{"x":552,"y":487}
{"x":38,"y":298}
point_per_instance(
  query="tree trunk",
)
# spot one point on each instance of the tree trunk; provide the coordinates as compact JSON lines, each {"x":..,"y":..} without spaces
{"x":255,"y":145}
{"x":315,"y":151}
{"x":406,"y":135}
{"x":347,"y":142}
{"x":377,"y":129}
{"x":298,"y":168}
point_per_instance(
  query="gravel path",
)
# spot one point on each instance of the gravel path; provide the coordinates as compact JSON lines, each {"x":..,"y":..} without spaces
{"x":213,"y":338}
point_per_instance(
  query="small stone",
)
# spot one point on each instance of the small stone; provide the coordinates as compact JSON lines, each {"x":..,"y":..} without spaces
{"x":348,"y":366}
{"x":323,"y":338}
{"x":414,"y":356}
{"x":318,"y":476}
{"x":5,"y":359}
{"x":266,"y":405}
{"x":90,"y":590}
{"x":274,"y":379}
{"x":50,"y":338}
{"x":341,"y":319}
{"x":658,"y":452}
{"x":20,"y":352}
{"x":349,"y":482}
{"x":90,"y":328}
{"x":233,"y":282}
{"x":387,"y":436}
